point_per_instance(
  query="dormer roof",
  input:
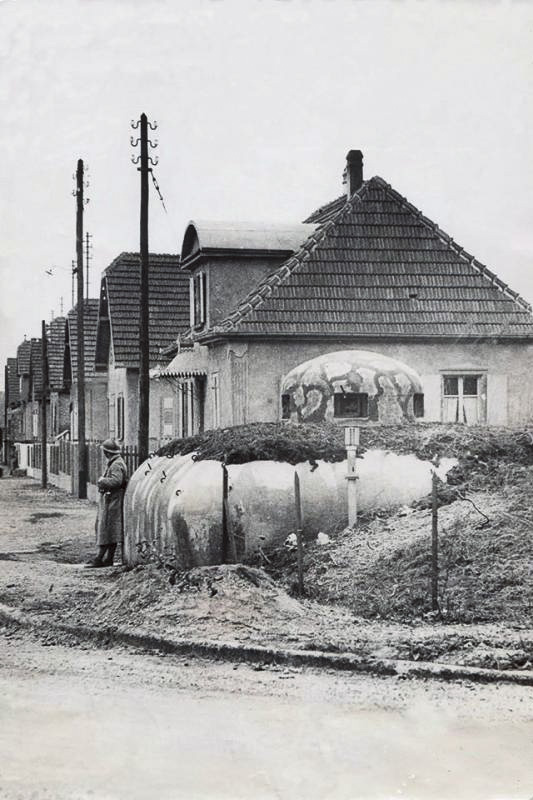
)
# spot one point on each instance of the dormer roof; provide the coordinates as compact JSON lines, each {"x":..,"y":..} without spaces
{"x":243,"y":238}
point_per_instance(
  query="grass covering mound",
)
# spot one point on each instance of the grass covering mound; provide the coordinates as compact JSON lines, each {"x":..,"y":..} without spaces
{"x":263,"y":441}
{"x":479,"y":449}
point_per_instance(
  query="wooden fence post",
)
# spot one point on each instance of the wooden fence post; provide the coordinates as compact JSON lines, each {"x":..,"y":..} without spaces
{"x":299,"y":532}
{"x":434,"y":544}
{"x":229,"y":553}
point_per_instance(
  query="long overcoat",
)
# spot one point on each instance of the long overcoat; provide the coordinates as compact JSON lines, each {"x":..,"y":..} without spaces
{"x":109,"y":518}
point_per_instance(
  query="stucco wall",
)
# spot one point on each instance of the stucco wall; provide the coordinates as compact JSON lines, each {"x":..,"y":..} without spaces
{"x":95,"y":409}
{"x":509,"y":399}
{"x":230,"y":279}
{"x":125,"y":382}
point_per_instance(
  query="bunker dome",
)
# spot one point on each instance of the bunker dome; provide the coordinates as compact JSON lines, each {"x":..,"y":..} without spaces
{"x":352,"y":384}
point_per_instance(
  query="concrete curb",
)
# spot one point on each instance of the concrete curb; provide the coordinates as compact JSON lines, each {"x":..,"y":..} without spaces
{"x":268,"y":655}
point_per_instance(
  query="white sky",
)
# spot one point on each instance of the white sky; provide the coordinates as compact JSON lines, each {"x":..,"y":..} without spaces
{"x":257,"y":104}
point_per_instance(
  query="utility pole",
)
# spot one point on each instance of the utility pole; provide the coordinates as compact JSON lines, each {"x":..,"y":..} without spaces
{"x":6,"y":415}
{"x":80,"y":342}
{"x":44,"y":397}
{"x":144,"y":315}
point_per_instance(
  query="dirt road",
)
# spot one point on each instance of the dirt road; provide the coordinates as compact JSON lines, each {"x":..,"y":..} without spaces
{"x":112,"y":724}
{"x":78,"y":722}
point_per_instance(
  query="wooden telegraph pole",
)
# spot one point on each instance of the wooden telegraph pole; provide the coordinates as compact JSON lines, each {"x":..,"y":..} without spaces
{"x":6,"y":415}
{"x":80,"y":350}
{"x":44,"y":397}
{"x":144,"y":316}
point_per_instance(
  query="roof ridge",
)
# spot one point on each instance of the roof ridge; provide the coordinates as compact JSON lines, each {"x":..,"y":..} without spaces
{"x":459,"y":251}
{"x":321,"y":209}
{"x":268,"y":285}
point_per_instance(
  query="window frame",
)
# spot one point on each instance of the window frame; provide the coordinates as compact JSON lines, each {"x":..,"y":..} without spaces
{"x":460,"y":375}
{"x":199,"y":299}
{"x":215,"y":399}
{"x":344,"y":396}
{"x":120,"y":417}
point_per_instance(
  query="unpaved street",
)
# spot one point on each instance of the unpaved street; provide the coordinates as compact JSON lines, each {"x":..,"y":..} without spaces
{"x":77,"y":722}
{"x":110,"y":724}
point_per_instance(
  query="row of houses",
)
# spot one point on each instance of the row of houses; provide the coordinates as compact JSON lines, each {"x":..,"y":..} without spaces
{"x":241,"y":305}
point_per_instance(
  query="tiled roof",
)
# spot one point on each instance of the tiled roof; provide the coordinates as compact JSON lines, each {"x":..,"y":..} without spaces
{"x":90,"y":318}
{"x":36,"y":367}
{"x":169,"y":305}
{"x":379,"y":268}
{"x":13,"y":382}
{"x":328,"y":211}
{"x":56,"y":352}
{"x":24,"y":357}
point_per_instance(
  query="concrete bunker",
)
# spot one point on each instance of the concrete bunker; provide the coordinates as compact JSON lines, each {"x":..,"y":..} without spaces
{"x":175,"y":504}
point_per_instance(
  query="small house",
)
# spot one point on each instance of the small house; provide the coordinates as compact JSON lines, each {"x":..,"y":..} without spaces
{"x":366,"y":271}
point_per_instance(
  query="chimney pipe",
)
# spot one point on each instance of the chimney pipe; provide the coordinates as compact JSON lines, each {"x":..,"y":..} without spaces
{"x":354,"y":172}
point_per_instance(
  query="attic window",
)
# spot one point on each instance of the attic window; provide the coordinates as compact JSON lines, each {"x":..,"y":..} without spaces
{"x":199,"y":300}
{"x":350,"y":404}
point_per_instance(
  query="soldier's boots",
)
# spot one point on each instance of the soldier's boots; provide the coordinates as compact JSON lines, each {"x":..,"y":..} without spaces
{"x":110,"y":555}
{"x":99,"y":560}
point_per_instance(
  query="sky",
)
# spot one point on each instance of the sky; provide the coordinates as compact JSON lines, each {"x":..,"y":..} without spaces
{"x":257,"y":104}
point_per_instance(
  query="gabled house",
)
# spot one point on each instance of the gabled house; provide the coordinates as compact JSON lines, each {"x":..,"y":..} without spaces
{"x":12,"y":402}
{"x":95,"y":384}
{"x":25,"y":391}
{"x":372,"y":273}
{"x":117,"y":341}
{"x":36,"y":375}
{"x":59,"y":391}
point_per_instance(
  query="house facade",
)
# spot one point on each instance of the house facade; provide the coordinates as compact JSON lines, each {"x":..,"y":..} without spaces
{"x":59,"y":394}
{"x":95,"y":383}
{"x":117,"y":341}
{"x":372,"y":273}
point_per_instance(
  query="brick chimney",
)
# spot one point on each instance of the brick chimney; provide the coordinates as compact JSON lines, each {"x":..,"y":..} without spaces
{"x":354,"y":172}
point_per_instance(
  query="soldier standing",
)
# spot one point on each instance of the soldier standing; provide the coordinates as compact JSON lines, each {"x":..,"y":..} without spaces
{"x":109,"y":519}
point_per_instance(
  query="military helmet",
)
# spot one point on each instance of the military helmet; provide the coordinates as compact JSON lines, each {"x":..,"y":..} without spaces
{"x":111,"y":446}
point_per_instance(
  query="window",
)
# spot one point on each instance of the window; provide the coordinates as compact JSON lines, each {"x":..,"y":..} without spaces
{"x":186,"y":408}
{"x":418,"y":405}
{"x":285,"y":406}
{"x":167,"y":417}
{"x":199,"y":300}
{"x":54,"y":417}
{"x":120,"y":417}
{"x":350,"y":404}
{"x":215,"y":389}
{"x":461,"y":399}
